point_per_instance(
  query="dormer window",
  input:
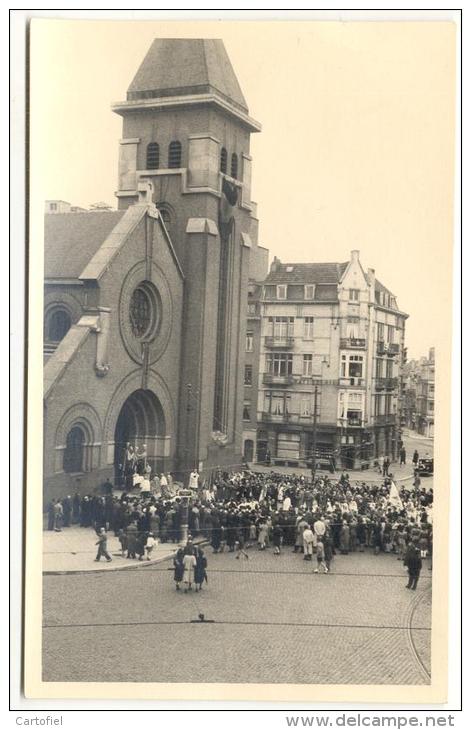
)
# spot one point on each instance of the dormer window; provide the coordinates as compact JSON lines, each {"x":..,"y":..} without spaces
{"x":234,"y":166}
{"x":309,"y":291}
{"x":354,"y":295}
{"x":174,"y":154}
{"x":153,"y":156}
{"x":281,"y":291}
{"x":223,"y":161}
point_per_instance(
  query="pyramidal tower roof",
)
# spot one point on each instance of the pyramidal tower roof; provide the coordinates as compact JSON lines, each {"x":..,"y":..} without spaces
{"x":178,"y":71}
{"x":178,"y":66}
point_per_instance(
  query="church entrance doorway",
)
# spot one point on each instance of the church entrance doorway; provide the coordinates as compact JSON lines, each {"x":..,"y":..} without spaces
{"x":248,"y":451}
{"x":139,"y":438}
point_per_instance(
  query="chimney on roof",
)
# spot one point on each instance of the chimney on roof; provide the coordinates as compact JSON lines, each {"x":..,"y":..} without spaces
{"x":354,"y":256}
{"x":275,"y":265}
{"x":371,"y":278}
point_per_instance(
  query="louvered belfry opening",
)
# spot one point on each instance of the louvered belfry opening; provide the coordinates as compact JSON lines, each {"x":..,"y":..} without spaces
{"x":223,"y":161}
{"x":174,"y":154}
{"x":153,"y":156}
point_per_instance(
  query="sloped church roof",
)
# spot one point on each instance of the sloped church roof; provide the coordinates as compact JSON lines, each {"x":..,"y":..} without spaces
{"x":72,"y":239}
{"x":182,"y":66}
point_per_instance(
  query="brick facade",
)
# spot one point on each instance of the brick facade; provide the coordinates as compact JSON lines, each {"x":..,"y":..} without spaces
{"x":182,"y":243}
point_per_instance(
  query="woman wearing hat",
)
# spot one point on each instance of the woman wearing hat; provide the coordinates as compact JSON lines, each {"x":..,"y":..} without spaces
{"x":200,"y":569}
{"x":178,"y":568}
{"x":189,"y":564}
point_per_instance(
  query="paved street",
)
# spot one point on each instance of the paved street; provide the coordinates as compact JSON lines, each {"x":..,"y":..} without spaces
{"x":274,"y":621}
{"x":402,"y":474}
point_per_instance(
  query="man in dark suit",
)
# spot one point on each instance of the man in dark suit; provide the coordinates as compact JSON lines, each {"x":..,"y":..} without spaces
{"x":413,"y":562}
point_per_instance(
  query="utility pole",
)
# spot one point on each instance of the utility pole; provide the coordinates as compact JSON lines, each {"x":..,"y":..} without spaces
{"x":314,"y":436}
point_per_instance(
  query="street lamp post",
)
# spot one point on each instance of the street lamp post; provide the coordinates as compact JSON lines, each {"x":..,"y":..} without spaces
{"x":314,"y":436}
{"x":317,"y":384}
{"x":184,"y":507}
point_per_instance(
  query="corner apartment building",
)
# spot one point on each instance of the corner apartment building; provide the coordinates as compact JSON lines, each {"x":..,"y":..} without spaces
{"x":257,"y":273}
{"x":330,"y":366}
{"x":419,"y":394}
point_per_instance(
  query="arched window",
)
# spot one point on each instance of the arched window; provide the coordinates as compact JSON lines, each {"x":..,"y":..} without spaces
{"x":234,"y":166}
{"x":58,"y":323}
{"x":74,"y":450}
{"x":174,"y":154}
{"x":153,"y":156}
{"x":223,"y":161}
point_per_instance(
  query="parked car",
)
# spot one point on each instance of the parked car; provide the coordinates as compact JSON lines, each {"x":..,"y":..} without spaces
{"x":425,"y":467}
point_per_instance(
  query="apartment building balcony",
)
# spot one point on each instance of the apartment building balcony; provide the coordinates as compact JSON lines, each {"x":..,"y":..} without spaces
{"x":269,"y":379}
{"x":302,"y":419}
{"x":352,"y":343}
{"x":387,"y":348}
{"x":353,"y":381}
{"x":386,"y":383}
{"x":253,"y":311}
{"x":274,"y":417}
{"x":286,"y":418}
{"x":351,"y":423}
{"x":279,"y":343}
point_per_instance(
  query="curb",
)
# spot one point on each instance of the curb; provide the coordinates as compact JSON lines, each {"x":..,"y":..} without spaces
{"x":134,"y":566}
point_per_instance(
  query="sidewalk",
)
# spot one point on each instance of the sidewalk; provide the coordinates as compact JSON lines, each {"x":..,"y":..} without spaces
{"x":401,"y":474}
{"x":73,"y":550}
{"x":414,"y":435}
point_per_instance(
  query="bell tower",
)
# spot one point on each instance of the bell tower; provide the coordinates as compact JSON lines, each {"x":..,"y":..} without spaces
{"x":186,"y":134}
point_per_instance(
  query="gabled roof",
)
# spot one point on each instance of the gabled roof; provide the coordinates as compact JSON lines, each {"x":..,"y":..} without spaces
{"x":84,"y":245}
{"x":186,"y":66}
{"x":322,"y":273}
{"x":71,"y":239}
{"x":381,"y":287}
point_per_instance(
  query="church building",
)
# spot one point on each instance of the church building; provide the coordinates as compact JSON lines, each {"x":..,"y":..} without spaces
{"x":145,"y":306}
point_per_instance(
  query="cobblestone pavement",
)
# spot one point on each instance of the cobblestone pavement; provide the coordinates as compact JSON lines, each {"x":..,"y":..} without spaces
{"x":274,"y":621}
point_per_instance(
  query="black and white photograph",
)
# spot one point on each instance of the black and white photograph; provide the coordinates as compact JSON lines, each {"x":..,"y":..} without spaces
{"x":241,"y":279}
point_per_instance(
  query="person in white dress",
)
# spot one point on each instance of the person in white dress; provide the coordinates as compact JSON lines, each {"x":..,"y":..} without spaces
{"x":189,"y":563}
{"x":194,"y":476}
{"x":286,"y":504}
{"x":309,"y":541}
{"x":319,"y":527}
{"x":163,"y":481}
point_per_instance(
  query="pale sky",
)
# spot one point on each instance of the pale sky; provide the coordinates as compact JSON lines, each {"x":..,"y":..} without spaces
{"x":356,"y":149}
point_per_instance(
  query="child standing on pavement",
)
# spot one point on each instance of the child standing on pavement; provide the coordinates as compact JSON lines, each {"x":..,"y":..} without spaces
{"x":320,"y":556}
{"x":150,"y":545}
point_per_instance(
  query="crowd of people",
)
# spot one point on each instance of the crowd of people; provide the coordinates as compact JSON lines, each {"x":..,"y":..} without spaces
{"x":237,"y":511}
